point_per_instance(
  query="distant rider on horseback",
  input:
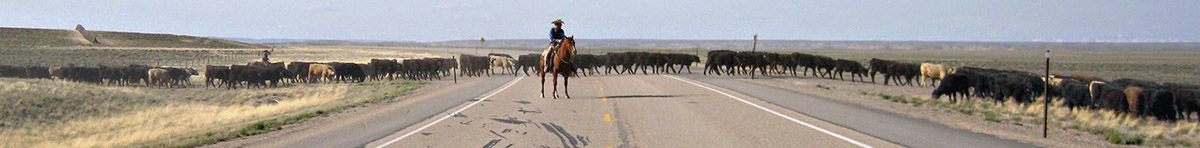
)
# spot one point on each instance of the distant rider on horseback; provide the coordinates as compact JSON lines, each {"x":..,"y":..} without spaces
{"x":556,"y":36}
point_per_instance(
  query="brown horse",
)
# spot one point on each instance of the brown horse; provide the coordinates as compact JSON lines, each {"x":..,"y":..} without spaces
{"x":556,"y":62}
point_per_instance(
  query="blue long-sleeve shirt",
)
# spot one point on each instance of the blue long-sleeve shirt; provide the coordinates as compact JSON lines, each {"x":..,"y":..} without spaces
{"x":557,"y":35}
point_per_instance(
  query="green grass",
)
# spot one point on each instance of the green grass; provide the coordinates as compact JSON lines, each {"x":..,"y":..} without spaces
{"x":1118,"y":138}
{"x":824,"y":87}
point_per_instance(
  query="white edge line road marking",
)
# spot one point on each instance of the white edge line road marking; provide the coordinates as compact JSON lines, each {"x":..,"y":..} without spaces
{"x":776,"y":113}
{"x":451,"y":114}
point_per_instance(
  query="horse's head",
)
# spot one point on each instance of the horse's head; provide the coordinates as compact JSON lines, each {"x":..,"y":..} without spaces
{"x":570,"y":40}
{"x":568,"y":44}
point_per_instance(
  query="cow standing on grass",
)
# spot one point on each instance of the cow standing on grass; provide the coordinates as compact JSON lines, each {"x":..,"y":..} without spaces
{"x":214,"y":75}
{"x":300,"y":69}
{"x":934,"y":72}
{"x":159,"y":77}
{"x":853,"y":67}
{"x":320,"y":72}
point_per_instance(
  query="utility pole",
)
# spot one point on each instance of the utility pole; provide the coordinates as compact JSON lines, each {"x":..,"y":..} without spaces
{"x":452,"y":74}
{"x":1046,"y":96}
{"x":755,"y":46}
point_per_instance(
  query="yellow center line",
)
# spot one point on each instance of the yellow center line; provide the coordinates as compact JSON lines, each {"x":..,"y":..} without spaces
{"x":607,"y":118}
{"x":604,"y":99}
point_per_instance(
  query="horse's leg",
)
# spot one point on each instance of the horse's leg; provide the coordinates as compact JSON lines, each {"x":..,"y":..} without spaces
{"x":543,"y":75}
{"x":566,"y":90}
{"x":554,"y":78}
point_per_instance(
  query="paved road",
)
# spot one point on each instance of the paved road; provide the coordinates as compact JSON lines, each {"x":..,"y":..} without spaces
{"x":365,"y":126}
{"x":900,"y":129}
{"x":673,"y":111}
{"x":631,"y":111}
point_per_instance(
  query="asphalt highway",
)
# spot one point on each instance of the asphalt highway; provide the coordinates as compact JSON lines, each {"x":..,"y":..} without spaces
{"x":625,"y":111}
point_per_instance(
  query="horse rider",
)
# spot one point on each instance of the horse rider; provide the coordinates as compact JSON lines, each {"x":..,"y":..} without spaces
{"x":556,"y":36}
{"x":265,"y":58}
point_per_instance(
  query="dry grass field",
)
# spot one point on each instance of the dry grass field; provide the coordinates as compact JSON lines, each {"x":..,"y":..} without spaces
{"x":36,"y":38}
{"x":53,"y":113}
{"x":50,"y":113}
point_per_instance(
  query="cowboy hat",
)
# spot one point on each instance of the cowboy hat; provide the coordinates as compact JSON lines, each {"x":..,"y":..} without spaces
{"x":557,"y":21}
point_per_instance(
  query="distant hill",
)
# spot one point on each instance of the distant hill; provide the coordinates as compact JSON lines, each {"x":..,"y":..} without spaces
{"x":33,"y":37}
{"x":807,"y":44}
{"x":262,"y":41}
{"x":349,"y":43}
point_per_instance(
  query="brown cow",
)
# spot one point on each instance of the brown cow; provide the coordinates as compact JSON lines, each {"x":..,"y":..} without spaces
{"x":317,"y":72}
{"x":213,"y":74}
{"x":1132,"y":96}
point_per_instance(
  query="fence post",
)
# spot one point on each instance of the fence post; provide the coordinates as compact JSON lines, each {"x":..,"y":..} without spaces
{"x":1046,"y":96}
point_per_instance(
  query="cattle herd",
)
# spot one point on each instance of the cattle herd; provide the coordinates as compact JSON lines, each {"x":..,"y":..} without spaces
{"x":105,"y":75}
{"x":265,"y":74}
{"x":260,"y":74}
{"x":1167,"y":101}
{"x":617,"y":62}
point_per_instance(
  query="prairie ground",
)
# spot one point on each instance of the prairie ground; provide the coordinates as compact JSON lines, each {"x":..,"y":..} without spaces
{"x":54,"y":113}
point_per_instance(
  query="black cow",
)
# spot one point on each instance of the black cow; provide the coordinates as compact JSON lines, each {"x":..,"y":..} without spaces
{"x":720,"y":58}
{"x":384,"y":68}
{"x":955,"y":85}
{"x":528,"y":62}
{"x":348,"y":72}
{"x":1076,"y":94}
{"x":892,"y":70}
{"x":684,"y":61}
{"x":474,"y":65}
{"x":1113,"y":98}
{"x":249,"y":75}
{"x":855,"y":69}
{"x":618,"y":62}
{"x":1186,"y":102}
{"x":300,"y":69}
{"x":586,"y":62}
{"x":1160,"y":104}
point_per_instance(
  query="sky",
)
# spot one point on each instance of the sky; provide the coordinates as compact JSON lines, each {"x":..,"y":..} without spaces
{"x":424,"y":20}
